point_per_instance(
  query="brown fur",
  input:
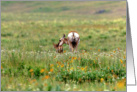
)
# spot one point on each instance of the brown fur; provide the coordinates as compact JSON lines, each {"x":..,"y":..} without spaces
{"x":66,"y":41}
{"x":72,"y":45}
{"x":58,"y":48}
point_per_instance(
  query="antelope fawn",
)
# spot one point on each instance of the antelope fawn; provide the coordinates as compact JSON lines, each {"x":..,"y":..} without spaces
{"x":72,"y":40}
{"x":58,"y":48}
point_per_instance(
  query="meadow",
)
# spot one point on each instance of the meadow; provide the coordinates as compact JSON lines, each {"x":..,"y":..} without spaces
{"x":30,"y":63}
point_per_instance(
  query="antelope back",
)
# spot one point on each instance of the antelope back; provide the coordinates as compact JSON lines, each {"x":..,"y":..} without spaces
{"x":73,"y":36}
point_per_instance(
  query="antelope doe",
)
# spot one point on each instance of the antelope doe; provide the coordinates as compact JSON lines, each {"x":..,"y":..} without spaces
{"x":72,"y":40}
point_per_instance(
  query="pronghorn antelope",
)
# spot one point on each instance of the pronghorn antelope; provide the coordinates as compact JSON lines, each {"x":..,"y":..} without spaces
{"x":72,"y":40}
{"x":58,"y":48}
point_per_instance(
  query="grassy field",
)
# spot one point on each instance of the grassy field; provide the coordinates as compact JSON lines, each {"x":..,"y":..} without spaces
{"x":29,"y":61}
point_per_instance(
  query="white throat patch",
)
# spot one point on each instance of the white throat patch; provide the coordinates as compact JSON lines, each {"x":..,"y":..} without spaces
{"x":61,"y":43}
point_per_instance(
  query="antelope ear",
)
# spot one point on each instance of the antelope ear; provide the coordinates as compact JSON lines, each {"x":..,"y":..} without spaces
{"x":63,"y":35}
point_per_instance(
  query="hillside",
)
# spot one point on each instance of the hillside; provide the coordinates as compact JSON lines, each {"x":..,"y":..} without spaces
{"x":96,"y":9}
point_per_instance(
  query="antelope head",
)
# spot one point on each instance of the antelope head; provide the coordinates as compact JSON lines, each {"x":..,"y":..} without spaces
{"x":63,"y":40}
{"x":55,"y":45}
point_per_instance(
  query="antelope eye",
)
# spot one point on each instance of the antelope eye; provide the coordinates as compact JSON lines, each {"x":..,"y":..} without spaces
{"x":59,"y":40}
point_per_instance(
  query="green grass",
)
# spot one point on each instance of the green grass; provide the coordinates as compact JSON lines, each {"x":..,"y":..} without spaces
{"x":29,"y":61}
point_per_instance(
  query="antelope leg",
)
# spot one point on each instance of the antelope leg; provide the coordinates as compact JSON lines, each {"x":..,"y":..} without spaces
{"x":72,"y":49}
{"x":76,"y":48}
{"x":69,"y":47}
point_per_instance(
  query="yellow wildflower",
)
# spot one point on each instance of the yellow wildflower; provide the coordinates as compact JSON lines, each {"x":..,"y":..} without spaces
{"x":31,"y":70}
{"x":42,"y":70}
{"x":71,"y":61}
{"x":32,"y":80}
{"x":120,"y":84}
{"x":1,"y":67}
{"x":114,"y":51}
{"x":45,"y":84}
{"x":51,"y":70}
{"x":62,"y":65}
{"x":64,"y":51}
{"x":51,"y":65}
{"x":68,"y":64}
{"x":46,"y":77}
{"x":71,"y":68}
{"x":101,"y":79}
{"x":82,"y":68}
{"x":118,"y":48}
{"x":79,"y":58}
{"x":121,"y":61}
{"x":98,"y":50}
{"x":124,"y":57}
{"x":74,"y":58}
{"x":58,"y":63}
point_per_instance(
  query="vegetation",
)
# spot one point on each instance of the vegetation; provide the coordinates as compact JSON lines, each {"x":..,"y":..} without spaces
{"x":29,"y":61}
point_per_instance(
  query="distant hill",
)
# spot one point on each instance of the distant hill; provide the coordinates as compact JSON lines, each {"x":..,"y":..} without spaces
{"x":92,"y":8}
